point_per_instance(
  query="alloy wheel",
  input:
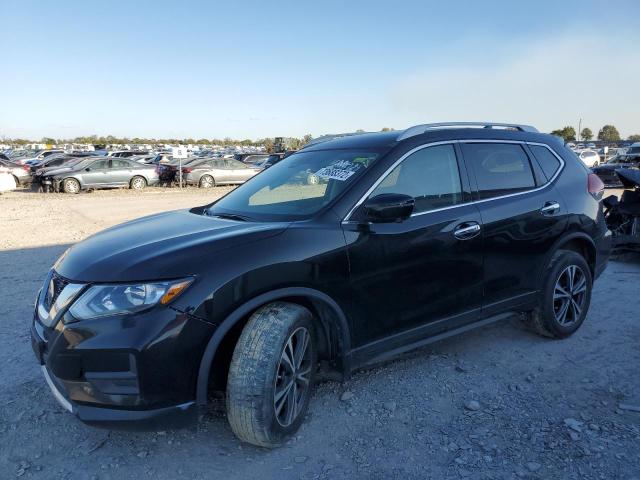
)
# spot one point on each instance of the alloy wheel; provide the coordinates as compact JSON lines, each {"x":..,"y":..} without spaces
{"x":71,"y":186}
{"x":206,"y":182}
{"x":569,"y":295}
{"x":137,"y":183}
{"x":292,"y":377}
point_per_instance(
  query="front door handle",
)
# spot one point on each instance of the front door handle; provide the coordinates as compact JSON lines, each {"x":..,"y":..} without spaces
{"x":550,"y":208}
{"x":466,"y":230}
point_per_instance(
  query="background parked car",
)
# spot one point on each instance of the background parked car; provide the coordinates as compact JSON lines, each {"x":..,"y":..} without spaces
{"x":39,"y":155}
{"x":101,"y":173}
{"x":589,"y":157}
{"x":20,"y":173}
{"x":606,"y":171}
{"x":126,"y":153}
{"x":271,"y":160}
{"x":251,"y":159}
{"x":218,"y":172}
{"x":7,"y":181}
{"x":56,"y":160}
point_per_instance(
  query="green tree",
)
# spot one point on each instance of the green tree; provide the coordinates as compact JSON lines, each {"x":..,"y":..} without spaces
{"x":387,"y":129}
{"x":634,"y":138}
{"x":48,"y":140}
{"x":567,"y":133}
{"x":586,"y":134}
{"x":609,"y":133}
{"x":307,"y":138}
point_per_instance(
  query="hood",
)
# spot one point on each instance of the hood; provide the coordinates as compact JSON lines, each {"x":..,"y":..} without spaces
{"x":60,"y":170}
{"x":163,"y":246}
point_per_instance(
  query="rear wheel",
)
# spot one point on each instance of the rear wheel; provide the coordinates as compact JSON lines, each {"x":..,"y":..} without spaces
{"x":271,"y":374}
{"x":565,"y":296}
{"x":138,"y":183}
{"x":71,"y":185}
{"x":16,"y":181}
{"x":207,"y":181}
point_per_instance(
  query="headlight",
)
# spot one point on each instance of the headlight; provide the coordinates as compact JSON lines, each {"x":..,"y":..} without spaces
{"x":103,"y":300}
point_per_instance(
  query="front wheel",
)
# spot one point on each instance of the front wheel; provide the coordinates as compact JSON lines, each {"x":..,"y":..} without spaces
{"x":138,"y":183}
{"x":565,"y":296}
{"x":71,"y":185}
{"x":271,"y":374}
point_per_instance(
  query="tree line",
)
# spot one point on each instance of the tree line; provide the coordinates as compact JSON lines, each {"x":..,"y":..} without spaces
{"x":607,"y":133}
{"x":289,"y":143}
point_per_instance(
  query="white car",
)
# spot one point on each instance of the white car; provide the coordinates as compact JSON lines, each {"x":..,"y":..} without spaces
{"x":7,"y":182}
{"x":589,"y":157}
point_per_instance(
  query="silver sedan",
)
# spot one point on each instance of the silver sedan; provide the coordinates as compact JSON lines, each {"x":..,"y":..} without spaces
{"x":219,"y":171}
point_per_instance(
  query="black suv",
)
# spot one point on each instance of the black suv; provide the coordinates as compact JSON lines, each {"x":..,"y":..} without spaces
{"x":348,"y":252}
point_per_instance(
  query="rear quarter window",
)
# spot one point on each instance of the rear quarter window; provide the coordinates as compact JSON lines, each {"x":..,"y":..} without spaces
{"x":547,"y":160}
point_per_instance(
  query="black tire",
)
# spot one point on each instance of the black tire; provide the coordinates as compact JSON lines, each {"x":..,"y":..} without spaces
{"x":257,"y":373}
{"x":207,"y":181}
{"x":71,"y":185}
{"x":16,"y":181}
{"x":547,"y":318}
{"x":138,"y":183}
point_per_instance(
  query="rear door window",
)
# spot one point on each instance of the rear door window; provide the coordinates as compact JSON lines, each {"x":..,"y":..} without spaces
{"x":120,"y":164}
{"x":500,"y":168}
{"x":547,"y":160}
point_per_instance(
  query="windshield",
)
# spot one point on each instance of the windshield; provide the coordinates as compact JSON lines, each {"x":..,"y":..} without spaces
{"x":297,"y":187}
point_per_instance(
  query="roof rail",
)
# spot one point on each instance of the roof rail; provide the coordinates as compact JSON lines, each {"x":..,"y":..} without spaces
{"x":420,"y":129}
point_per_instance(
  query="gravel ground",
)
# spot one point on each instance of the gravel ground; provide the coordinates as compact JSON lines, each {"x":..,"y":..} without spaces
{"x":495,"y":403}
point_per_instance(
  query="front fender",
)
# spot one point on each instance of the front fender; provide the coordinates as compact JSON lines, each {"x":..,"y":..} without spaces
{"x":240,"y":313}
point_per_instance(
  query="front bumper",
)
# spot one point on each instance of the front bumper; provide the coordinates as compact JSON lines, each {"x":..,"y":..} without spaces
{"x":128,"y":372}
{"x":173,"y":416}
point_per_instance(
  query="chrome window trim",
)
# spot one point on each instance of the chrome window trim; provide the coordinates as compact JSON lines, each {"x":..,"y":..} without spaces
{"x":452,"y":142}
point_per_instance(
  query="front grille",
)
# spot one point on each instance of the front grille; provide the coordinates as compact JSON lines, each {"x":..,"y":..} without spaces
{"x":54,"y":286}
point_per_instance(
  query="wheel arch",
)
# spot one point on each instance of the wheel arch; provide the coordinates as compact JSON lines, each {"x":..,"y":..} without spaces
{"x":80,"y":183}
{"x":335,"y":340}
{"x":578,"y":242}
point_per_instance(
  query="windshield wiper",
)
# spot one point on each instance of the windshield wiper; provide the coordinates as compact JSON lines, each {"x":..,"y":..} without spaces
{"x":229,"y":216}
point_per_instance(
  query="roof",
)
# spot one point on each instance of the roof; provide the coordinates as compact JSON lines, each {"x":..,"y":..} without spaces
{"x":432,"y":133}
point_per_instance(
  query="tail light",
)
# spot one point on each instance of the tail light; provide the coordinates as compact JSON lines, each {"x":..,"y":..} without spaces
{"x":187,"y":170}
{"x":595,"y":186}
{"x":26,"y":167}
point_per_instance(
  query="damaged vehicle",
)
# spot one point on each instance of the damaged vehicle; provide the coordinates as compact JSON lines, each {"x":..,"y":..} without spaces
{"x":623,"y":215}
{"x":348,"y":252}
{"x":99,"y":172}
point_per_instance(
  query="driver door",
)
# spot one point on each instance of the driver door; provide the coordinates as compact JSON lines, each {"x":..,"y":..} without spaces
{"x":423,"y":275}
{"x":96,"y":173}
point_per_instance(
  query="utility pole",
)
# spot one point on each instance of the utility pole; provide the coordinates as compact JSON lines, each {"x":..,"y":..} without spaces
{"x":580,"y":130}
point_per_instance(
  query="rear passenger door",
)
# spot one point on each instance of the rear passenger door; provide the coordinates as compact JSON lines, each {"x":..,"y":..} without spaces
{"x":121,"y":172}
{"x":522,"y":216}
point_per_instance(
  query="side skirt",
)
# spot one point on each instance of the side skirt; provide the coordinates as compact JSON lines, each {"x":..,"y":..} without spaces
{"x":387,"y":348}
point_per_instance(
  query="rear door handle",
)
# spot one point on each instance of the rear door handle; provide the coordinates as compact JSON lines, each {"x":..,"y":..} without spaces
{"x":550,"y":208}
{"x":466,"y":230}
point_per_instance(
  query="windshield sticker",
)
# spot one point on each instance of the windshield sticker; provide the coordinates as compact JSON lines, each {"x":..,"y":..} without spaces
{"x":340,"y":170}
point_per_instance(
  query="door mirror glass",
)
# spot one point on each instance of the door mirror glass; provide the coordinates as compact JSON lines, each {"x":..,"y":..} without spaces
{"x":388,"y":207}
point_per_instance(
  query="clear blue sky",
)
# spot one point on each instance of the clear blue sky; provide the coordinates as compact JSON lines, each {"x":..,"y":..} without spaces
{"x":254,"y":69}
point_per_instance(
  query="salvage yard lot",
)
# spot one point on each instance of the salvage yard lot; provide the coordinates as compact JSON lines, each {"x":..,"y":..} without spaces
{"x":545,"y":409}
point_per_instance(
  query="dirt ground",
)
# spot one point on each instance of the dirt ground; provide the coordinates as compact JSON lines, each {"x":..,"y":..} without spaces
{"x":545,"y":409}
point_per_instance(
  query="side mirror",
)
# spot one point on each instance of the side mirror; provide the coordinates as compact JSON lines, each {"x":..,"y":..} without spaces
{"x":388,"y":208}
